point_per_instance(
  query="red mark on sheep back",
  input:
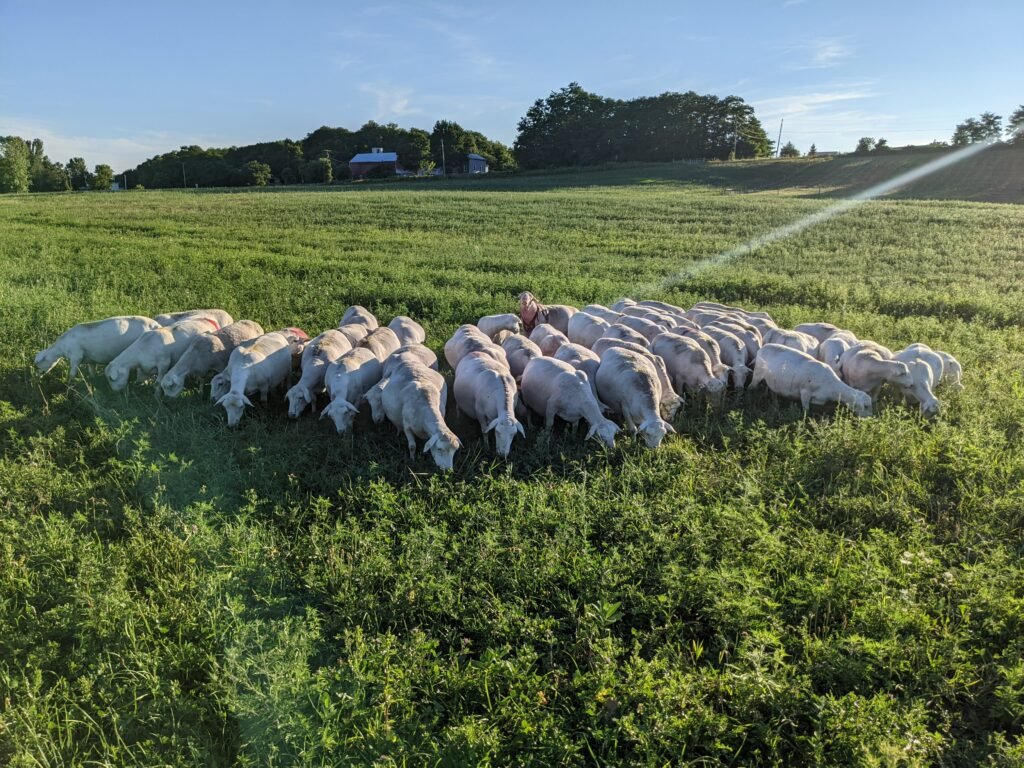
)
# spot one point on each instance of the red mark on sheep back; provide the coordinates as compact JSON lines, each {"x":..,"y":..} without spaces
{"x":303,"y":336}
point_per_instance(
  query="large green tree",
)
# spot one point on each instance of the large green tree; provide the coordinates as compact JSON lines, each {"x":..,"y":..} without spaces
{"x":102,"y":177}
{"x":78,"y":173}
{"x":14,"y":164}
{"x":46,"y":176}
{"x":987,"y":127}
{"x":575,"y":127}
{"x":1015,"y":126}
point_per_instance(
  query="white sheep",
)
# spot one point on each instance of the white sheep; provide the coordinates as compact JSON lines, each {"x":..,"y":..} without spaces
{"x":208,"y":353}
{"x":951,"y":369}
{"x":732,"y":352}
{"x":347,"y":381}
{"x":791,"y":373}
{"x":97,"y":342}
{"x":354,"y":332}
{"x":646,"y":328}
{"x":864,"y":367}
{"x":749,"y":335}
{"x":357,"y":315}
{"x":599,"y":310}
{"x":382,"y":342}
{"x":671,"y":402}
{"x":621,"y":304}
{"x":586,"y":328}
{"x":688,"y":365}
{"x":259,"y":366}
{"x":624,"y":333}
{"x":710,"y":345}
{"x":927,"y":368}
{"x":485,"y":390}
{"x":661,"y":306}
{"x":519,"y":351}
{"x":219,"y":316}
{"x":413,"y":399}
{"x":793,"y":339}
{"x":317,"y":356}
{"x":554,"y":388}
{"x":819,"y":331}
{"x":156,"y":351}
{"x":468,"y":338}
{"x":492,"y":325}
{"x":407,"y":330}
{"x":830,"y":351}
{"x":582,"y":359}
{"x":628,"y":384}
{"x":532,"y":313}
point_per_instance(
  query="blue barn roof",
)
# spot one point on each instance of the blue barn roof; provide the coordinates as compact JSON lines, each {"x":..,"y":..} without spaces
{"x":375,"y":157}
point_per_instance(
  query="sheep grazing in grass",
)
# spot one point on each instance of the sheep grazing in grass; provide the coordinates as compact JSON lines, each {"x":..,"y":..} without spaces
{"x":412,"y":397}
{"x":208,"y":353}
{"x":219,"y":316}
{"x":624,"y":333}
{"x":492,"y":325}
{"x":585,"y":328}
{"x":317,"y":356}
{"x":867,"y":367}
{"x":532,"y":313}
{"x":486,"y":391}
{"x":646,"y":328}
{"x":731,"y":351}
{"x":793,"y":339}
{"x":156,"y":351}
{"x":689,"y":366}
{"x":553,"y":388}
{"x":347,"y":381}
{"x":627,"y":383}
{"x":97,"y":342}
{"x":710,"y":346}
{"x":794,"y":374}
{"x":357,"y":315}
{"x":354,"y":332}
{"x":951,"y":369}
{"x":407,"y":330}
{"x":819,"y":331}
{"x":670,"y":399}
{"x":582,"y":359}
{"x":751,"y":337}
{"x":599,"y":310}
{"x":519,"y":351}
{"x":259,"y":366}
{"x":382,"y":342}
{"x":468,"y":338}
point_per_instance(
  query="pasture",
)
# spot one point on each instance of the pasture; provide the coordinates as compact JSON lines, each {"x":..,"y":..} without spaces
{"x":763,"y":589}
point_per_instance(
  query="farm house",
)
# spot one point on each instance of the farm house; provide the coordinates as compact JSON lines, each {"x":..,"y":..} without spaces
{"x":476,"y":163}
{"x":365,"y":162}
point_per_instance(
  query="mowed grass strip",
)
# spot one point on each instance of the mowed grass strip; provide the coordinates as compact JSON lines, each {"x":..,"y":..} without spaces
{"x":763,"y":589}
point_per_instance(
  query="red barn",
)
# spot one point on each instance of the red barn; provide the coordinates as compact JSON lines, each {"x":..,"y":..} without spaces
{"x":364,"y":162}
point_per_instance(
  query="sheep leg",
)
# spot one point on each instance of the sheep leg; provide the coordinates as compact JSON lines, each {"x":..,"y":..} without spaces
{"x":549,"y":413}
{"x":265,"y":395}
{"x":73,"y":371}
{"x":411,"y":439}
{"x":805,"y":399}
{"x":757,"y":378}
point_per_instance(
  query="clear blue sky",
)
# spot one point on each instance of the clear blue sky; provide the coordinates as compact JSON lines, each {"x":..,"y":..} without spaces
{"x":116,"y":82}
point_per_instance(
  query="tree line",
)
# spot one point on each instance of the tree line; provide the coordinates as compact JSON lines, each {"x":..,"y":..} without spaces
{"x":575,"y":127}
{"x":25,"y":167}
{"x":321,"y":157}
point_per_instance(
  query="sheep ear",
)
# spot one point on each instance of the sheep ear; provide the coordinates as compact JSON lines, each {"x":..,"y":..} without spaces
{"x":519,"y":428}
{"x":221,"y":400}
{"x":491,"y":426}
{"x":591,"y":432}
{"x":247,"y":401}
{"x":670,"y":429}
{"x":348,"y":406}
{"x":430,"y":443}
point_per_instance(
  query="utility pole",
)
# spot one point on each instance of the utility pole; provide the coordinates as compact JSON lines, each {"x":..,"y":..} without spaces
{"x":184,"y":184}
{"x":126,"y":181}
{"x":778,"y":144}
{"x":735,"y":138}
{"x":444,"y":170}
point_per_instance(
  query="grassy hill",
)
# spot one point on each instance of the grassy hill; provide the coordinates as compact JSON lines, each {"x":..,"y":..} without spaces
{"x":764,"y":589}
{"x":994,"y":175}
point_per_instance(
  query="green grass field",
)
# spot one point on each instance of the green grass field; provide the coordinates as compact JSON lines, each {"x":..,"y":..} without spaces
{"x":764,"y":589}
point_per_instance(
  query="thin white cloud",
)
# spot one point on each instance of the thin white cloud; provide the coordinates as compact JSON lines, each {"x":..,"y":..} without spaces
{"x":811,"y":102}
{"x":823,"y":53}
{"x":791,"y":3}
{"x":390,"y":102}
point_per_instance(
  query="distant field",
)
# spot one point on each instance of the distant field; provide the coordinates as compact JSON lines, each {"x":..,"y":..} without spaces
{"x":763,"y":589}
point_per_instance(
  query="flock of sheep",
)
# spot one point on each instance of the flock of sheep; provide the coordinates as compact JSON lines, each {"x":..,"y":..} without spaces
{"x":632,"y":361}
